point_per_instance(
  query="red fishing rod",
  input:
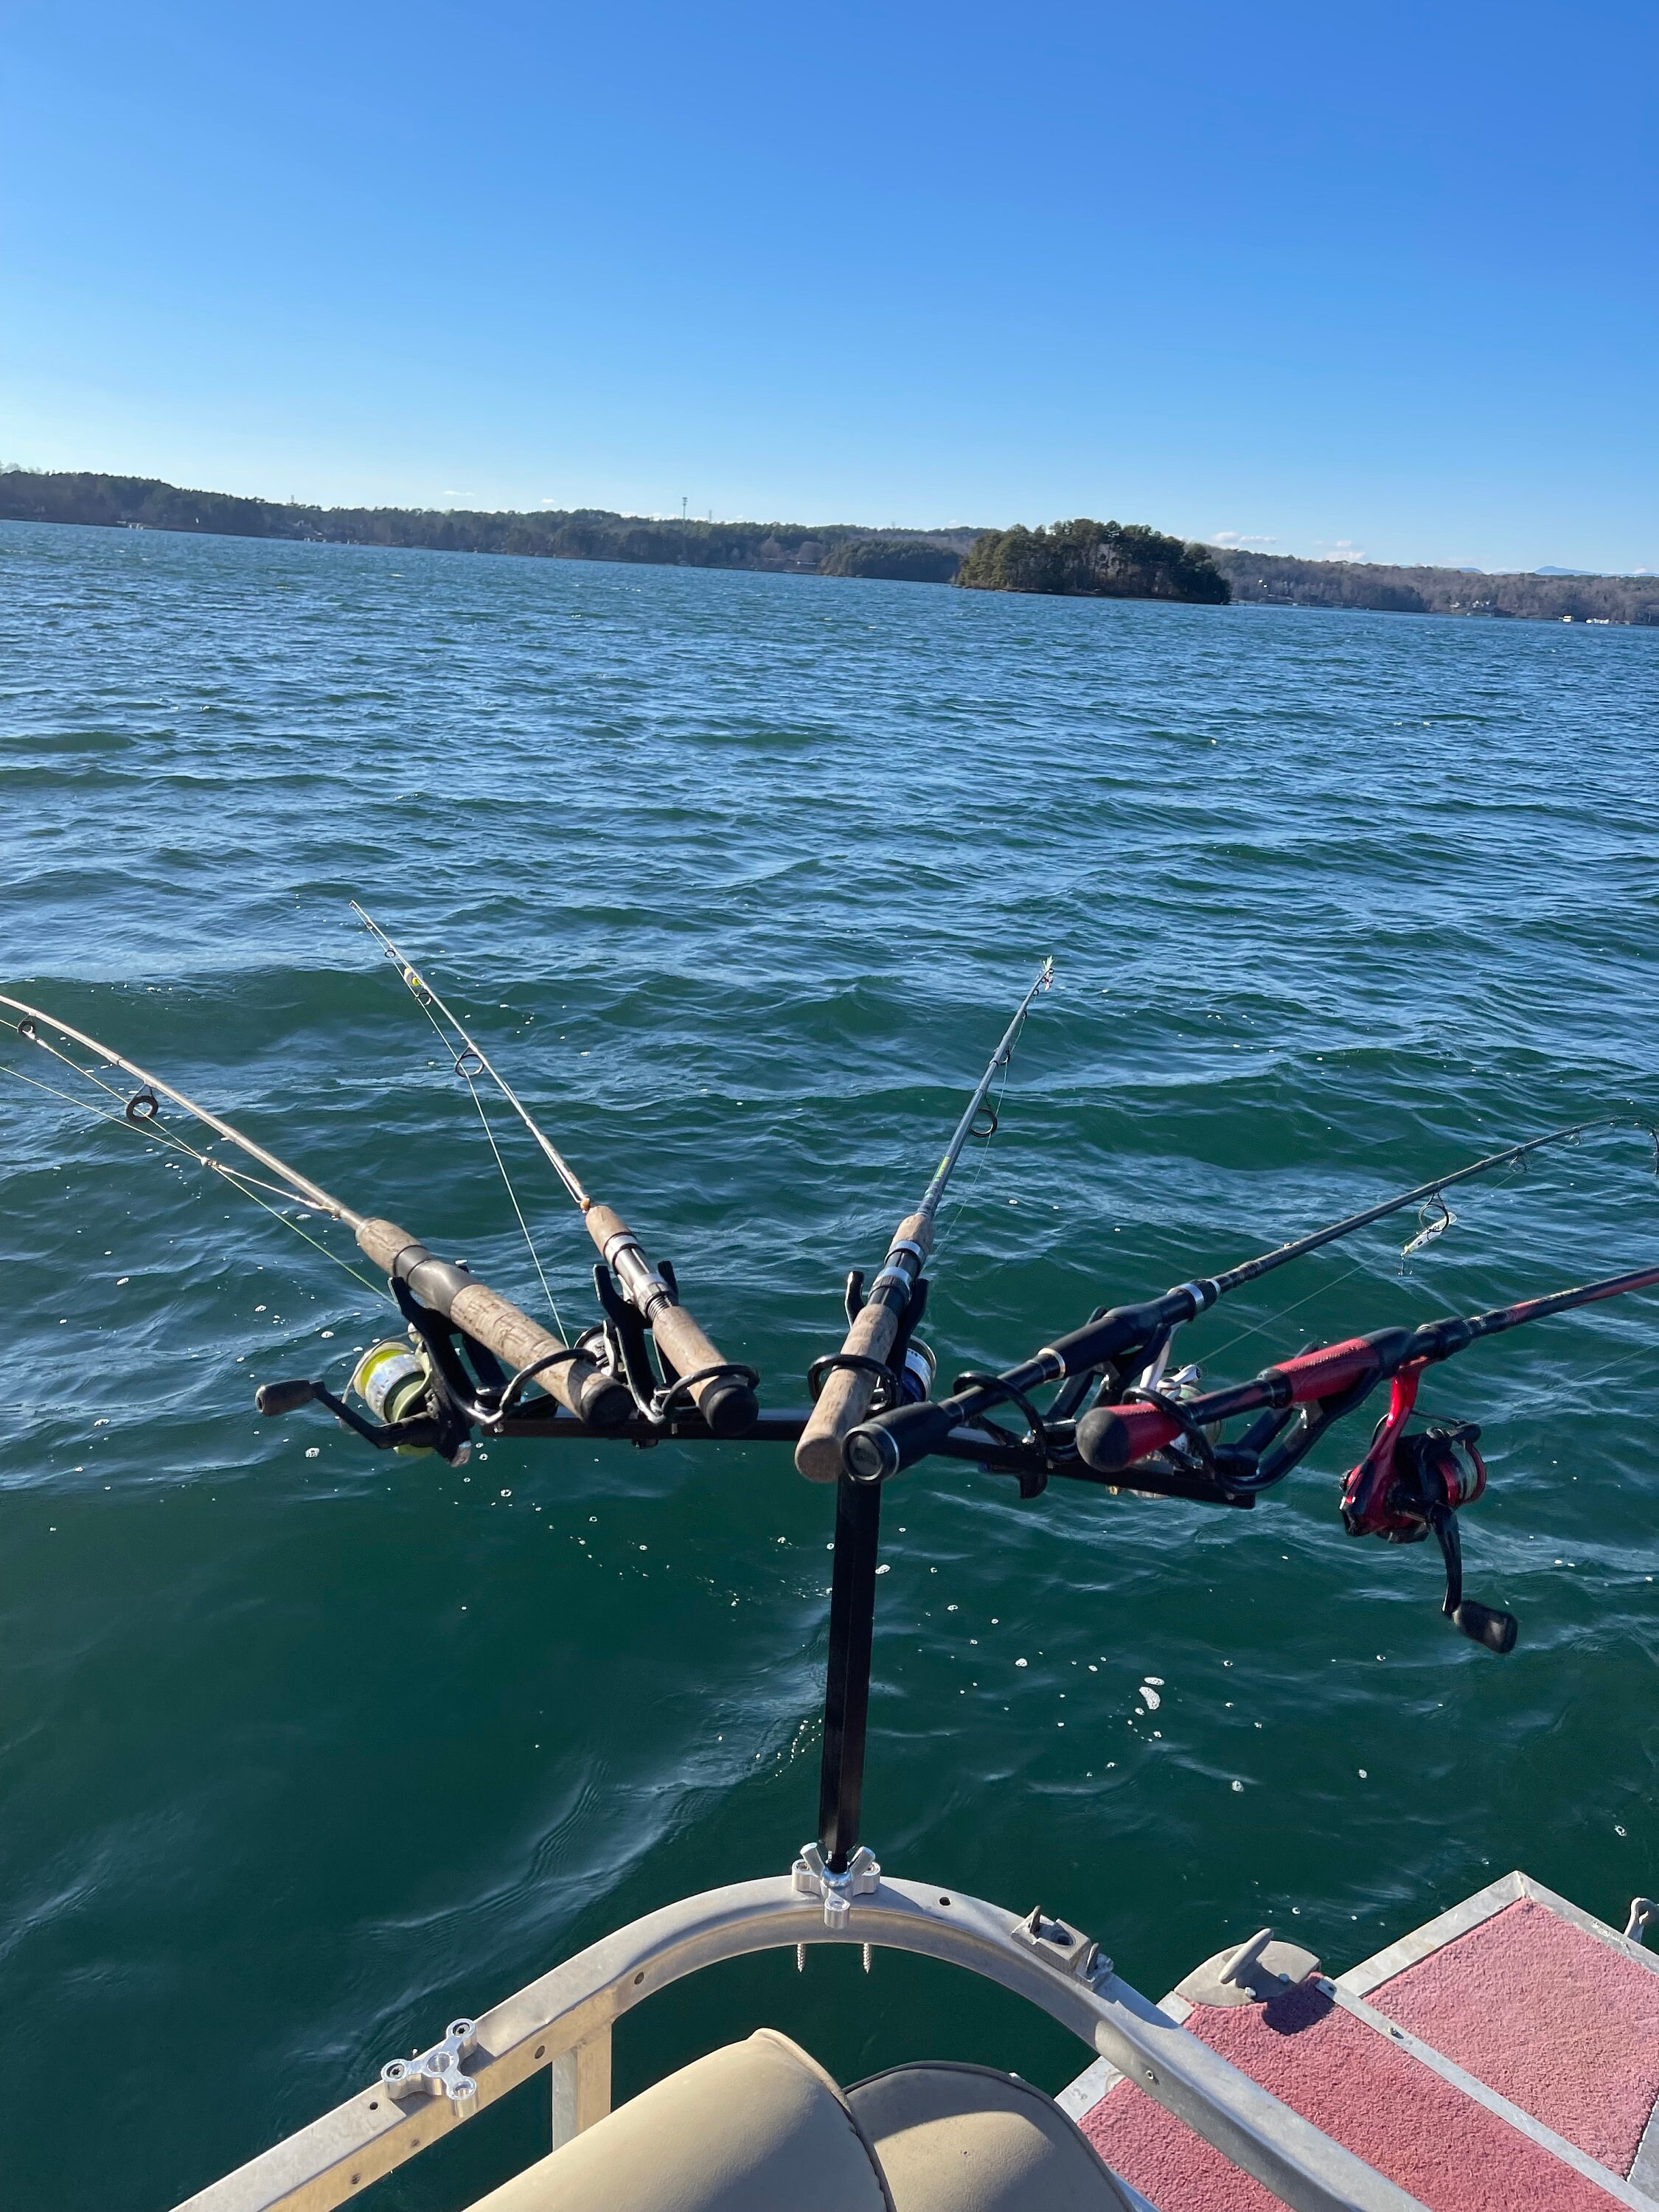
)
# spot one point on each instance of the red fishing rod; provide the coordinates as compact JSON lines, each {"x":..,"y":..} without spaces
{"x":1113,"y":1437}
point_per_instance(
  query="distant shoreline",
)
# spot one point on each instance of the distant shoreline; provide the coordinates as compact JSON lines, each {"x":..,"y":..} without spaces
{"x":847,"y":549}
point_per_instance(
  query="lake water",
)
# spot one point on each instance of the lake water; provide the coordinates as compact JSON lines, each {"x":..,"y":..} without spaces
{"x":301,"y":1753}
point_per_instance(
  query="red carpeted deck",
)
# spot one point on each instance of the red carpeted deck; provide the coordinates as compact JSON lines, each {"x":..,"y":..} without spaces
{"x":1504,"y":2059}
{"x":1586,"y":2062}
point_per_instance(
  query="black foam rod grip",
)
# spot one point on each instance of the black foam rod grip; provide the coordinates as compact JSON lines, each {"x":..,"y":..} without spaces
{"x":273,"y":1398}
{"x":1482,"y":1624}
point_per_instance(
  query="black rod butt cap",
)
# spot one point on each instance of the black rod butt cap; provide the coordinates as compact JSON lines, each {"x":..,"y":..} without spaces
{"x":869,"y":1454}
{"x":729,"y":1407}
{"x":1482,"y":1624}
{"x":606,"y":1402}
{"x":876,"y":1450}
{"x":1101,"y":1441}
{"x":274,"y":1398}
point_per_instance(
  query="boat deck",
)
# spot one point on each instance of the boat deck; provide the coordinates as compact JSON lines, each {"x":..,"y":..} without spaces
{"x":1506,"y":2055}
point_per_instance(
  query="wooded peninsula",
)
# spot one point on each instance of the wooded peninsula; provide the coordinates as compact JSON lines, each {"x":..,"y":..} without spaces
{"x":1080,"y":558}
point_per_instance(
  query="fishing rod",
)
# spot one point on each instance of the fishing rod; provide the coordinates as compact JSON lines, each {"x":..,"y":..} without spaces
{"x":421,"y":1283}
{"x":1113,"y":1437}
{"x":723,"y":1393}
{"x":851,"y":1376}
{"x":1118,"y":1341}
{"x":1406,"y":1487}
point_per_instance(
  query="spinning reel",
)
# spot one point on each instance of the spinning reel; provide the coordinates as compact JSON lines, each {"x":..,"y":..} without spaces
{"x":1409,"y":1484}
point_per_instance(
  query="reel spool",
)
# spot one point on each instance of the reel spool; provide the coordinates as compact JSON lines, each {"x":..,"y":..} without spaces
{"x":916,"y":1375}
{"x":1437,"y":1470}
{"x":393,"y":1380}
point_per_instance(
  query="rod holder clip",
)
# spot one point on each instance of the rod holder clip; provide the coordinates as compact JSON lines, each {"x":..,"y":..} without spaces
{"x":812,"y":1878}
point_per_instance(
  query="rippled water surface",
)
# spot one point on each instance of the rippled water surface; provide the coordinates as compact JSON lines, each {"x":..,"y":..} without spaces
{"x":301,"y":1753}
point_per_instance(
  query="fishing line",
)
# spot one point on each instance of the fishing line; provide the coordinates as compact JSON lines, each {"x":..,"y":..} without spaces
{"x":1261,"y":1328}
{"x":723,"y":1391}
{"x":304,"y":1236}
{"x":147,"y":1125}
{"x":418,"y":986}
{"x":1638,"y":1352}
{"x":877,"y":1345}
{"x":1511,"y":1167}
{"x":1427,"y":1236}
{"x":512,"y":1195}
{"x":510,"y":1336}
{"x":150,"y":1128}
{"x":1010,"y":1046}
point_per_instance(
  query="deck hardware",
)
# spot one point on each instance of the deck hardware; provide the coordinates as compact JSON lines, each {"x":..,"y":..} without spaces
{"x":1241,"y":1967}
{"x":1251,"y":1973}
{"x":1059,"y":1944}
{"x":437,"y":2072}
{"x":812,"y":1878}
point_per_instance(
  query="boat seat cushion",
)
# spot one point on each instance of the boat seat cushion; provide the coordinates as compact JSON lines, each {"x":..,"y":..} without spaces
{"x":971,"y":2139}
{"x":756,"y":2127}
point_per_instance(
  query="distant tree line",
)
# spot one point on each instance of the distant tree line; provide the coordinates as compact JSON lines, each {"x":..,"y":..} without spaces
{"x":1094,"y":560}
{"x":896,"y":559}
{"x":582,"y":534}
{"x":1278,"y":579}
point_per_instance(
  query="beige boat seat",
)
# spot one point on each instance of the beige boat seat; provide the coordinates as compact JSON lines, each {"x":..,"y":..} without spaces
{"x":757,"y":2127}
{"x":973,"y":2139}
{"x":760,"y":2127}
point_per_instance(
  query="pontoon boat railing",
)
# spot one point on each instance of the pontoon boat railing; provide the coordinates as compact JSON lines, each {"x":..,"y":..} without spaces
{"x":561,"y":2024}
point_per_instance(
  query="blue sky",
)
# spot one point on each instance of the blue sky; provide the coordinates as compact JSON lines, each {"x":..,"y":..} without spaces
{"x":1321,"y":277}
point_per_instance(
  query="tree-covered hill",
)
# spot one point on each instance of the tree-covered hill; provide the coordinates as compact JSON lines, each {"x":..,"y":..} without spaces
{"x":1094,"y":560}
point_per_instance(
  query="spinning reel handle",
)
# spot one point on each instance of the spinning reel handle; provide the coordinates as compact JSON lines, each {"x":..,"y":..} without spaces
{"x":274,"y":1398}
{"x":1482,"y":1624}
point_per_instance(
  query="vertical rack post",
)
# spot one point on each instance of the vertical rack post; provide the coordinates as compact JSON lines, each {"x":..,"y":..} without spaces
{"x":852,"y":1625}
{"x":846,"y":1684}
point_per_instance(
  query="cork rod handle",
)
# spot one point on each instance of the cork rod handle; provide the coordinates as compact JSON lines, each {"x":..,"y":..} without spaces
{"x":501,"y":1326}
{"x":728,"y":1403}
{"x":845,"y":1399}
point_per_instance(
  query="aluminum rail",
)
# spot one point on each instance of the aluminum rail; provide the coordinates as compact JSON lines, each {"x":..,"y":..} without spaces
{"x":568,"y":2015}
